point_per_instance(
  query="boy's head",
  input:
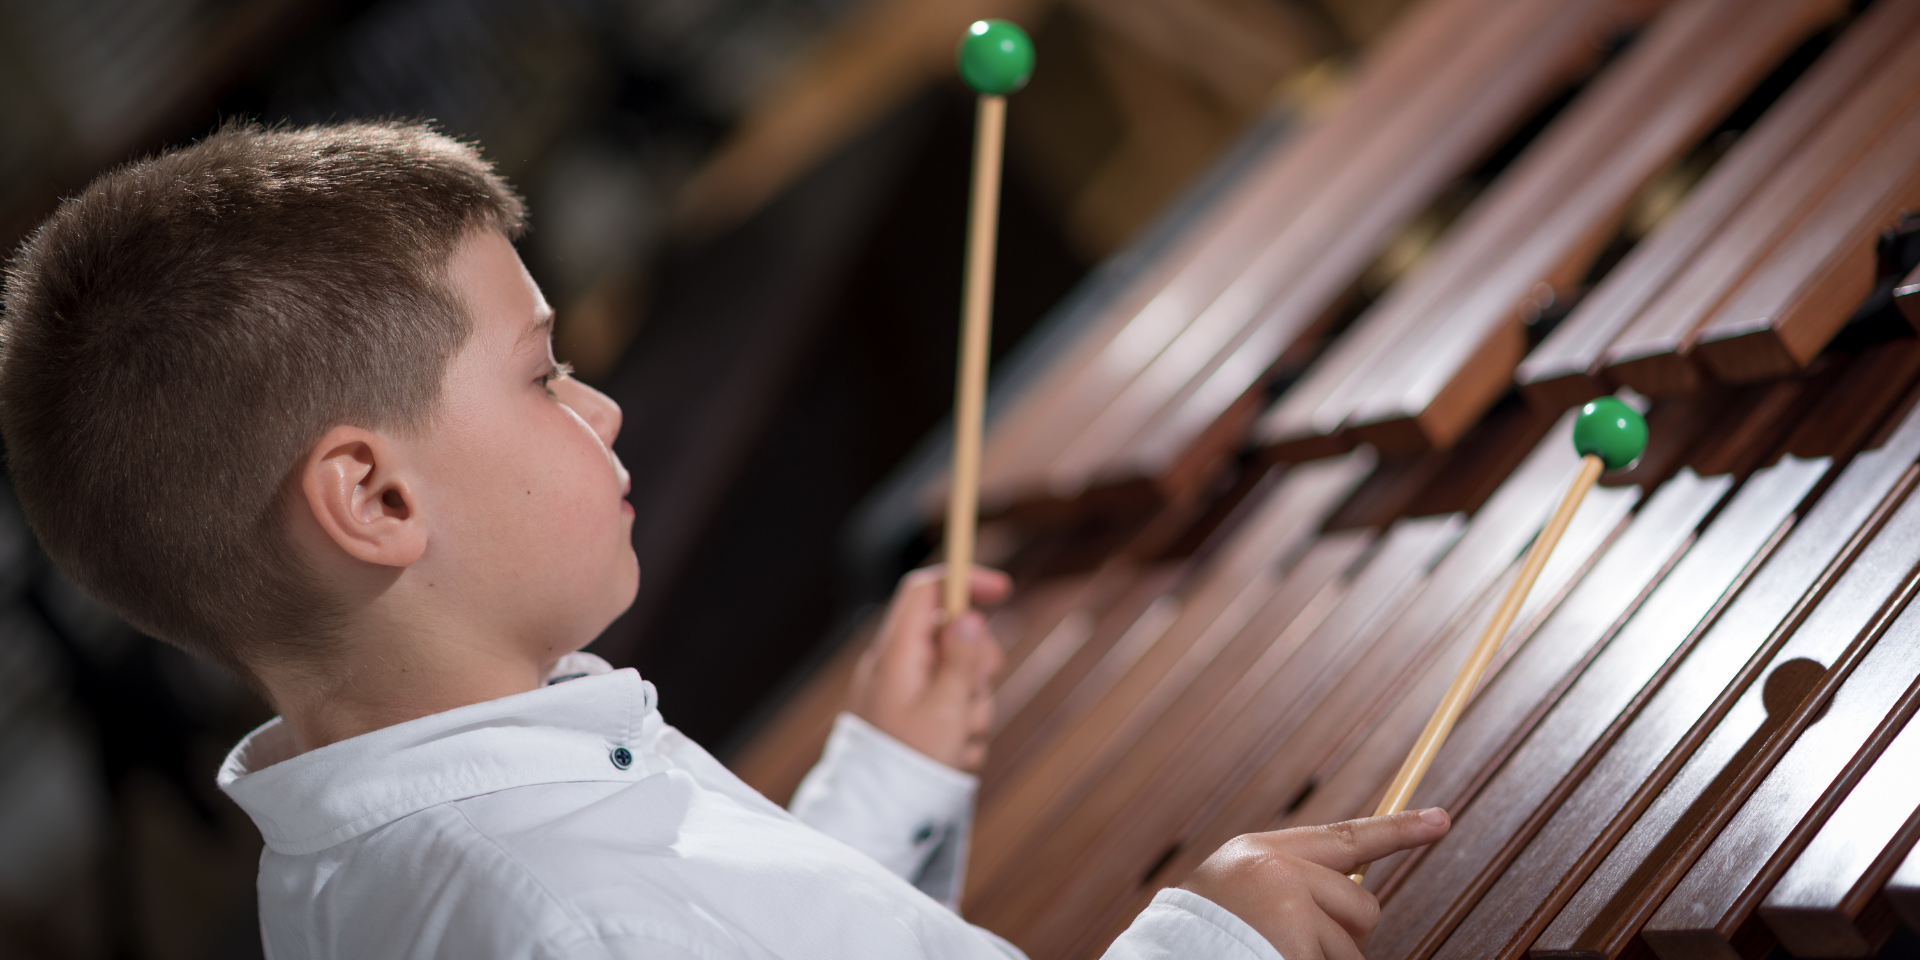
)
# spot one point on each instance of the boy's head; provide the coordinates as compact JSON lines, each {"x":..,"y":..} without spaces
{"x":256,"y":385}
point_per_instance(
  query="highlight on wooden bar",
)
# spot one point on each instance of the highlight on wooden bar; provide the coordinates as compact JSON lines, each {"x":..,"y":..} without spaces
{"x":1279,"y":503}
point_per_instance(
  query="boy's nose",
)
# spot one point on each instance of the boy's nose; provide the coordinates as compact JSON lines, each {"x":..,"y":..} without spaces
{"x":596,"y":408}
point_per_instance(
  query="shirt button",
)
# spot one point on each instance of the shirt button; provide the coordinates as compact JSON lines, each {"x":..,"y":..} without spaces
{"x":922,"y":833}
{"x":622,"y":757}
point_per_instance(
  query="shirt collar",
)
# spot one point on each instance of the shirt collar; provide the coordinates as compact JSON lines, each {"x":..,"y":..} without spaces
{"x":595,"y":726}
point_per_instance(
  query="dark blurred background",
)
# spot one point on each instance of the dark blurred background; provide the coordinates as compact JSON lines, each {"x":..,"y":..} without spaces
{"x":750,"y":215}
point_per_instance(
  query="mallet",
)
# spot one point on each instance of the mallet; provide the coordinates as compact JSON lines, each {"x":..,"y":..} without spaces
{"x":996,"y":58}
{"x":1608,"y":435}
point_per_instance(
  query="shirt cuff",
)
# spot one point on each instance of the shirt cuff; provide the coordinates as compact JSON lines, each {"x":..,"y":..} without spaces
{"x":893,"y":803}
{"x":1180,"y":923}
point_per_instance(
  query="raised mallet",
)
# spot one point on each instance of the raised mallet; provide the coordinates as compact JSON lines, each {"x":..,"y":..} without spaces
{"x":996,"y":58}
{"x":1608,"y":435}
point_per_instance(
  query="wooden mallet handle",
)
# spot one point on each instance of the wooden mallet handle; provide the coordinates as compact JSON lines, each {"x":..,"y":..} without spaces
{"x":995,"y":58}
{"x":1607,"y":433}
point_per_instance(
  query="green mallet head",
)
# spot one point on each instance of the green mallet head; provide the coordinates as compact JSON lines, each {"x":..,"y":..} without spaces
{"x":1610,"y":430}
{"x":995,"y":57}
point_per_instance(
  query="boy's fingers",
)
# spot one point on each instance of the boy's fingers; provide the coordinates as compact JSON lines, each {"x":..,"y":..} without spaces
{"x":1345,"y":846}
{"x":1348,"y":903}
{"x":1335,"y":943}
{"x":907,"y":651}
{"x":920,"y":587}
{"x":962,"y":644}
{"x":988,"y":586}
{"x":989,"y":664}
{"x":1294,"y":929}
{"x":919,"y":593}
{"x":973,"y":756}
{"x":903,"y":641}
{"x":985,"y":585}
{"x":979,"y":716}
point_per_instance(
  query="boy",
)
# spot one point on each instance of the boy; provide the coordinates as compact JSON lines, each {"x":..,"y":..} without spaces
{"x":285,"y":398}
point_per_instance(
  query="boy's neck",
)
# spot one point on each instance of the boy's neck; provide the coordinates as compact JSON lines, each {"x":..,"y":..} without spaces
{"x":379,"y":680}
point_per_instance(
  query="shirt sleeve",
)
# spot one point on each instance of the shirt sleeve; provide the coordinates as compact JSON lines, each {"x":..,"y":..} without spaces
{"x":1180,"y":923}
{"x":904,"y":809}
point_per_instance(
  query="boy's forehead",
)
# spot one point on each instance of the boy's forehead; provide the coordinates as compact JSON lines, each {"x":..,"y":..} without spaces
{"x":501,"y":296}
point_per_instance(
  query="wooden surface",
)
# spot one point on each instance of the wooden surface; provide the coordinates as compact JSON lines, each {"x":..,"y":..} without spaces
{"x":1511,"y":701}
{"x":1345,"y":243}
{"x":1453,"y":702}
{"x":1654,"y":353}
{"x":1828,"y":904}
{"x":1450,"y":336}
{"x":1047,"y":622}
{"x":1640,"y":762}
{"x":1801,"y":294}
{"x":1903,"y":889}
{"x":1057,"y":825}
{"x":1790,"y":788}
{"x":1289,"y":672}
{"x":1512,"y":698}
{"x":1704,"y":685}
{"x":1316,"y":255}
{"x":1125,"y":697}
{"x":1143,"y":606}
{"x":1128,"y":597}
{"x":1445,"y":884}
{"x":1161,"y":834}
{"x":1443,"y":379}
{"x":1867,"y":390}
{"x":1457,"y":480}
{"x":1115,"y":357}
{"x":1148,"y":608}
{"x":1618,"y":895}
{"x":1311,"y":412}
{"x":1615,"y":319}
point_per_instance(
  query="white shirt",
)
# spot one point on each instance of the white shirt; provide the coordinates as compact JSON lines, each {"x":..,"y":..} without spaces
{"x":571,"y":821}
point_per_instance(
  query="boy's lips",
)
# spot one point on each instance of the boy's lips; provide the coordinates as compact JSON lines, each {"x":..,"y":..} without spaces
{"x":626,"y":482}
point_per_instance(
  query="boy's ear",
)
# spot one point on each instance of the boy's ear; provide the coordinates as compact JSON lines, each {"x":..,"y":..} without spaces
{"x":352,"y":486}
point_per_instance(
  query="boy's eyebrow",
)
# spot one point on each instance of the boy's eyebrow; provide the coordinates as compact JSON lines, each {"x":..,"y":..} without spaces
{"x":542,"y":325}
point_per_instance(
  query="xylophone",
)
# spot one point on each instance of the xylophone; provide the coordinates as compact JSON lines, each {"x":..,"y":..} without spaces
{"x":1262,"y":504}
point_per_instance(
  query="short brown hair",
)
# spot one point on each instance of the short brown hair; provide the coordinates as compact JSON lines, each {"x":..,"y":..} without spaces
{"x":179,"y":335}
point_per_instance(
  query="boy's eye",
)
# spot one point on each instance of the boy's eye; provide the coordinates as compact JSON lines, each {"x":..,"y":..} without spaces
{"x":559,"y":371}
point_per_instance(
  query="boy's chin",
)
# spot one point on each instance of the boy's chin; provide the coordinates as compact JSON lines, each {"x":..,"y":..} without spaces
{"x":620,"y":597}
{"x":632,"y":590}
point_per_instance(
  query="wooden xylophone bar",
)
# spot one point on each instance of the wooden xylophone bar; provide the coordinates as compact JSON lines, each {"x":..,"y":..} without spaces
{"x":1618,"y":325}
{"x":1433,"y":102}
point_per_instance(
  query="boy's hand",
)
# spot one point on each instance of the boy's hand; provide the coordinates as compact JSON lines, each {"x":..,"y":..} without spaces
{"x":927,"y":683}
{"x":1292,"y":886}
